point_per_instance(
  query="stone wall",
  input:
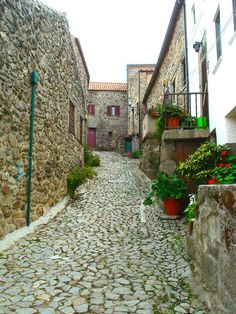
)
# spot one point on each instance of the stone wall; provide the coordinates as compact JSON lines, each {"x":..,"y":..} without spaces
{"x":211,"y":245}
{"x":83,"y":80}
{"x":34,"y":37}
{"x":169,"y":77}
{"x":138,"y":77}
{"x":110,"y":130}
{"x":171,"y":73}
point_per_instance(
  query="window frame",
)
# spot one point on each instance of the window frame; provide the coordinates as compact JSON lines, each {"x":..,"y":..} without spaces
{"x":71,"y":117}
{"x":113,"y":111}
{"x":218,"y":35}
{"x":91,"y":109}
{"x":234,"y":13}
{"x":193,"y":10}
{"x":184,"y":76}
{"x":81,"y":129}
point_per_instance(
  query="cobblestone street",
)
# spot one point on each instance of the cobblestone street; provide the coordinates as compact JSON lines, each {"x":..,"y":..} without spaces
{"x":96,"y":256}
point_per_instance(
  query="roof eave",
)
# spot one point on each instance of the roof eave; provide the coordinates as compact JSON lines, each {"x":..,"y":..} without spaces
{"x":165,"y":46}
{"x":83,"y":58}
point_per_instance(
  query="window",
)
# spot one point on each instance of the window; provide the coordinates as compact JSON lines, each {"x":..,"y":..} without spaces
{"x":184,"y":72}
{"x":173,"y":86}
{"x":71,"y":118}
{"x":218,"y":36}
{"x":193,"y":14}
{"x":234,"y":14}
{"x":113,"y":110}
{"x":91,"y":109}
{"x":81,"y":129}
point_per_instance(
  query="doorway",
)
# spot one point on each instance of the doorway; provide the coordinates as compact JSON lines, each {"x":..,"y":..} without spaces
{"x":91,"y":138}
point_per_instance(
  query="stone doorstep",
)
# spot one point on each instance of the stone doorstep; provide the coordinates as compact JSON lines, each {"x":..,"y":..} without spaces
{"x":168,"y":217}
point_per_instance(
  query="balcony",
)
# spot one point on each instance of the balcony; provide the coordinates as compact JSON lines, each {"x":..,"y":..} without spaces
{"x":194,"y":107}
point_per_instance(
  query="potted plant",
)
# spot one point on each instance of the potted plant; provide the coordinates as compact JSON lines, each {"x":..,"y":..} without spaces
{"x":172,"y":112}
{"x":152,"y":112}
{"x":169,"y":189}
{"x":189,"y":122}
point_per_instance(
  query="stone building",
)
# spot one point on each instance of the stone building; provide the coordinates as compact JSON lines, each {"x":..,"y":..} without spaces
{"x":36,"y":38}
{"x":107,"y":116}
{"x":138,"y":77}
{"x":83,"y":79}
{"x":169,"y":81}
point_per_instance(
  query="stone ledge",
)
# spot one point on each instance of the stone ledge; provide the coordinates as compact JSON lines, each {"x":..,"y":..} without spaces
{"x":182,"y":134}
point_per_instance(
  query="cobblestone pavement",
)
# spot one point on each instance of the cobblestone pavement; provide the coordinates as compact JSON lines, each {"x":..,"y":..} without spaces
{"x":97,"y":257}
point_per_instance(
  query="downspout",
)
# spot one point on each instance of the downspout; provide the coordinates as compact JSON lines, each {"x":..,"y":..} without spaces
{"x":34,"y":81}
{"x":186,"y":57}
{"x":139,"y":109}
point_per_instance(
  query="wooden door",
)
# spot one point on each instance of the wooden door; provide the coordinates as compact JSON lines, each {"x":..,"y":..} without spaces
{"x":183,"y":150}
{"x":91,"y":138}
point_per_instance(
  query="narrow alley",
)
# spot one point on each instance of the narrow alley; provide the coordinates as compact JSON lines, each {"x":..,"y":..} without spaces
{"x":96,"y":256}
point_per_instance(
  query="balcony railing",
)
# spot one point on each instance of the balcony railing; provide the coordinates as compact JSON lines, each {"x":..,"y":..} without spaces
{"x":195,"y":105}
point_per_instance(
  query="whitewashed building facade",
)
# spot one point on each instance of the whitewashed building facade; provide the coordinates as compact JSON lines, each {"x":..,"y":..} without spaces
{"x":211,"y":29}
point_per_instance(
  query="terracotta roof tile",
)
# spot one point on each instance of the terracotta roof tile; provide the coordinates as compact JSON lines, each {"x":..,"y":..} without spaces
{"x":121,"y":87}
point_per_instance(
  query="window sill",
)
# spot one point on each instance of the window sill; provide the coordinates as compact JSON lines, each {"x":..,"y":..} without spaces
{"x":217,"y":65}
{"x":232,"y":38}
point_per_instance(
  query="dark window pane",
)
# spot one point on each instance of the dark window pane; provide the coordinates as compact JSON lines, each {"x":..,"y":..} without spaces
{"x":218,"y":36}
{"x":72,"y":118}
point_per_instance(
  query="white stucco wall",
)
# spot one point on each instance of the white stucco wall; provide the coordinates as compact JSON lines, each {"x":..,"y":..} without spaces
{"x":221,"y":81}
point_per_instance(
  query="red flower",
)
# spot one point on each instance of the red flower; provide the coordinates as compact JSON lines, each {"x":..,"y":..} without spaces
{"x":129,"y":154}
{"x":221,"y":165}
{"x":227,"y":166}
{"x":210,"y":181}
{"x":224,"y":153}
{"x":215,"y":180}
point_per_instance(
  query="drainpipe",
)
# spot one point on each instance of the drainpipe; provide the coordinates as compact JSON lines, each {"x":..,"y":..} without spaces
{"x":34,"y":81}
{"x":186,"y":56}
{"x":139,"y":108}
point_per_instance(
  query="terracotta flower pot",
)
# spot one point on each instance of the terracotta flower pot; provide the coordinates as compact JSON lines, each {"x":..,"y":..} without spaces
{"x":173,"y":122}
{"x":153,"y":114}
{"x":172,"y":206}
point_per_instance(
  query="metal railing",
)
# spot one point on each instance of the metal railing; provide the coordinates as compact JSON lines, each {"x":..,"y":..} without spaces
{"x":193,"y":106}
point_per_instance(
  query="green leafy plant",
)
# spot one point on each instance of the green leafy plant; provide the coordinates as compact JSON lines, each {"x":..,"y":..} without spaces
{"x":206,"y":165}
{"x":171,"y":109}
{"x":165,"y":186}
{"x":191,"y":208}
{"x":188,"y":121}
{"x":163,"y":109}
{"x":225,"y":170}
{"x":159,"y":126}
{"x":137,"y":154}
{"x":77,"y":177}
{"x":89,"y":159}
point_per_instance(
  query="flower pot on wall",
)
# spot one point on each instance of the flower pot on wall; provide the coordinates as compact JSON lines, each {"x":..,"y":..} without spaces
{"x":172,"y":206}
{"x":153,"y":114}
{"x":173,"y":122}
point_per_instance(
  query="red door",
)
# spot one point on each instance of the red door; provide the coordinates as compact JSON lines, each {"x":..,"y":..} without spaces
{"x":91,"y":139}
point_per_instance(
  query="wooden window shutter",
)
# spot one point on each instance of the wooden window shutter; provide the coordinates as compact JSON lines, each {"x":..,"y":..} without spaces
{"x":117,"y":110}
{"x":108,"y":110}
{"x":89,"y":108}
